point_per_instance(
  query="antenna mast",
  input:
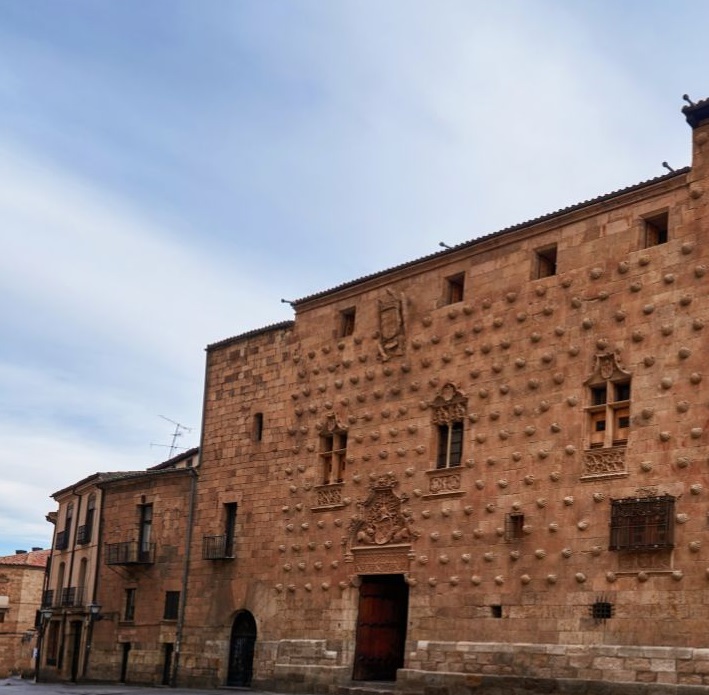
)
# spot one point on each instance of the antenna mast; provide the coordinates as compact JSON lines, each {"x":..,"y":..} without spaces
{"x":179,"y":429}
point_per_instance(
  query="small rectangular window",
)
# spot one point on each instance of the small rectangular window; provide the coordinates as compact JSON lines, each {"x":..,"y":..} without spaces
{"x":601,"y":611}
{"x":229,"y":528}
{"x":599,"y":395}
{"x":622,"y":392}
{"x":496,"y":611}
{"x":656,"y":229}
{"x":129,"y":605}
{"x":257,"y":432}
{"x":514,"y":527}
{"x":545,"y":262}
{"x":172,"y":605}
{"x":455,"y":286}
{"x":347,"y":322}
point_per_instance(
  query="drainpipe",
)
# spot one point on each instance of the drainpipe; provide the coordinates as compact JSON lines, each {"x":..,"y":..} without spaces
{"x":188,"y":542}
{"x":185,"y":577}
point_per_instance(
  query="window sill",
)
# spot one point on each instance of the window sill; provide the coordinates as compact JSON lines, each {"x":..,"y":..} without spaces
{"x":444,"y":482}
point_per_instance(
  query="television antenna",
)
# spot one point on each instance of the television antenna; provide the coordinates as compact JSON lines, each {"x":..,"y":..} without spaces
{"x":179,"y":430}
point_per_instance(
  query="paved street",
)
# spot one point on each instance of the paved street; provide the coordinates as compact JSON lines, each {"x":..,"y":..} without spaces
{"x":18,"y":686}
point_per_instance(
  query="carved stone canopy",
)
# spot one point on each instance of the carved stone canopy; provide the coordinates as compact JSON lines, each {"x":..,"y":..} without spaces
{"x":607,"y":367}
{"x":332,"y":424}
{"x":449,"y":406}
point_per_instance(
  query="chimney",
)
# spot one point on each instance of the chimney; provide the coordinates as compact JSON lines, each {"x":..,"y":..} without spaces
{"x":20,"y":552}
{"x":35,"y":549}
{"x":697,"y":116}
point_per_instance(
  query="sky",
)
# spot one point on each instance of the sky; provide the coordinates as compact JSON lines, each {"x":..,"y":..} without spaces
{"x":171,"y":169}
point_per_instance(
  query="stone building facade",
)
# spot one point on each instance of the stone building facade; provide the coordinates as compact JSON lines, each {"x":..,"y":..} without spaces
{"x":489,"y":463}
{"x":71,"y":580}
{"x":146,"y":517}
{"x":21,"y":584}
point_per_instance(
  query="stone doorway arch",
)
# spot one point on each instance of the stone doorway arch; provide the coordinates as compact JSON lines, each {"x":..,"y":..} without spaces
{"x":241,"y":649}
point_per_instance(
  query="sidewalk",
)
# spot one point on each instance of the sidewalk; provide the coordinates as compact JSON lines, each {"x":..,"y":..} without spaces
{"x":19,"y":686}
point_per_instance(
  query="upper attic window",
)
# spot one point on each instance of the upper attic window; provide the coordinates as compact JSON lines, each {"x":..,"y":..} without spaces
{"x":656,"y":229}
{"x":544,"y":262}
{"x":347,"y":322}
{"x":455,"y":285}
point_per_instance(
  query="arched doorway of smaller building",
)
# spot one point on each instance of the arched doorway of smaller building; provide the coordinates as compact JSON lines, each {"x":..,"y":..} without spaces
{"x":241,"y":649}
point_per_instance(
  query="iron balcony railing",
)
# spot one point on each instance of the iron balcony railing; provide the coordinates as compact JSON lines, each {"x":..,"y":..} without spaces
{"x":83,"y":534}
{"x":130,"y":553}
{"x":48,"y":598}
{"x":72,"y":597}
{"x":217,"y":548}
{"x":61,"y":542}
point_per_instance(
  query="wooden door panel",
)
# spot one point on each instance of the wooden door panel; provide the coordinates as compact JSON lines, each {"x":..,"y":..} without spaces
{"x":381,"y":627}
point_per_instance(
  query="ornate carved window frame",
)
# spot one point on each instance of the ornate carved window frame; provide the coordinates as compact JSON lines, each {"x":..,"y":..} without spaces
{"x":606,"y":417}
{"x":449,"y":409}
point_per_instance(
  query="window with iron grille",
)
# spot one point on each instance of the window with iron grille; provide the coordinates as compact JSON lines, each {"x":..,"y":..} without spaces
{"x":172,"y":605}
{"x":601,"y":610}
{"x":642,"y":523}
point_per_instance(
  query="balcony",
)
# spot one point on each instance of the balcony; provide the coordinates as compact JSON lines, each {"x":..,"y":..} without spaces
{"x":48,"y":598}
{"x":130,"y":553}
{"x":61,"y":542}
{"x":83,"y":534}
{"x":217,"y":548}
{"x":72,"y":597}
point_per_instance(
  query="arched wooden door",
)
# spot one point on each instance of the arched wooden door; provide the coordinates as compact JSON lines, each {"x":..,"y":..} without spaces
{"x":241,"y":649}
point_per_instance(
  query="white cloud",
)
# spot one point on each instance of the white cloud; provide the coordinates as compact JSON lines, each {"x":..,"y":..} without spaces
{"x":145,"y":213}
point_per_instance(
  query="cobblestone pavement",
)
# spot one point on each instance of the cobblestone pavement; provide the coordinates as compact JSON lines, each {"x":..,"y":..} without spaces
{"x":20,"y":686}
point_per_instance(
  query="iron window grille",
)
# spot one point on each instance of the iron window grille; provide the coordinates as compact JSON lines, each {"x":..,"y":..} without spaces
{"x":642,"y":523}
{"x":61,"y":542}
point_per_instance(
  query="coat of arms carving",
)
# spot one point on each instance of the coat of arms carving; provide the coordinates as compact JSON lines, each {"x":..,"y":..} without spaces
{"x":382,"y":519}
{"x":391,"y":327}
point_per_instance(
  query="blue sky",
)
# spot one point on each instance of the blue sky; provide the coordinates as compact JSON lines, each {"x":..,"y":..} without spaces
{"x":170,"y":169}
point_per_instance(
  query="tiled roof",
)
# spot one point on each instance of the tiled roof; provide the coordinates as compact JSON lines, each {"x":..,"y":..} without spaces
{"x":171,"y":463}
{"x":34,"y":558}
{"x":135,"y":475}
{"x":283,"y":325}
{"x":501,"y":232}
{"x":96,"y":478}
